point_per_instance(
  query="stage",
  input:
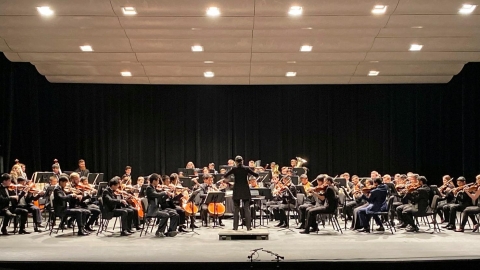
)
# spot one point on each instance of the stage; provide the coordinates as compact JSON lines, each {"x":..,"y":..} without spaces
{"x":326,"y":246}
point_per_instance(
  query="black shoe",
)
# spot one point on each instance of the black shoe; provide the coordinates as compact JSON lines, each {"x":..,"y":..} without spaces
{"x":125,"y":233}
{"x":380,"y":229}
{"x":138,"y":228}
{"x":22,"y":231}
{"x":279,"y":224}
{"x":4,"y":231}
{"x":364,"y":230}
{"x":305,"y":232}
{"x":130,"y":231}
{"x":82,"y":233}
{"x":86,"y":232}
{"x":414,"y":229}
{"x":301,"y":227}
{"x":181,"y":229}
{"x":221,"y":224}
{"x":194,"y":226}
{"x":450,"y":227}
{"x":249,"y":229}
{"x":70,"y":225}
{"x":159,"y":234}
{"x":89,"y":228}
{"x":37,"y":230}
{"x":172,"y":234}
{"x":445,"y":226}
{"x":284,"y":226}
{"x":475,"y":228}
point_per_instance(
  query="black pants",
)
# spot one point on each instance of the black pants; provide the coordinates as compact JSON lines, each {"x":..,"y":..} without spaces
{"x":135,"y":220}
{"x":204,"y":214}
{"x":181,"y":215}
{"x":312,"y":215}
{"x":126,"y":217}
{"x":303,"y":212}
{"x":469,"y":212}
{"x":281,"y":212}
{"x":163,"y":217}
{"x":439,"y":212}
{"x":405,"y":213}
{"x":236,"y":213}
{"x":348,"y":209}
{"x":80,"y":215}
{"x":20,"y":212}
{"x":451,"y":210}
{"x":95,"y":213}
{"x":36,"y":214}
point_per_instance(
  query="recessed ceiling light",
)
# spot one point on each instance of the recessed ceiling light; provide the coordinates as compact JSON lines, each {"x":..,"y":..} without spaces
{"x":295,"y":11}
{"x":197,"y":48}
{"x":467,"y":9}
{"x":373,"y":61}
{"x":129,"y":11}
{"x":291,"y":62}
{"x":291,"y":74}
{"x":45,"y":11}
{"x":306,"y":48}
{"x":208,"y":62}
{"x":415,"y":47}
{"x":126,"y":73}
{"x":86,"y":48}
{"x":379,"y":9}
{"x":208,"y":74}
{"x":373,"y":73}
{"x":417,"y":27}
{"x":307,"y":28}
{"x":213,"y":11}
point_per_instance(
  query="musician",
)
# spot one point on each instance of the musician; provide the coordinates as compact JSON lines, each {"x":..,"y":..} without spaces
{"x":48,"y":191}
{"x":446,"y":196}
{"x":309,"y":201}
{"x":462,"y":201}
{"x":273,"y":203}
{"x":205,"y":170}
{"x":223,"y":171}
{"x":112,"y":204}
{"x":157,"y":202}
{"x":328,"y":207}
{"x":251,"y":164}
{"x":8,"y":203}
{"x":230,"y":162}
{"x":288,"y":196}
{"x":241,"y":191}
{"x":419,"y":203}
{"x":376,"y":203}
{"x":349,"y":185}
{"x":211,"y":167}
{"x":24,"y":172}
{"x":82,"y":169}
{"x":56,"y":171}
{"x":127,"y":176}
{"x":137,"y":187}
{"x":356,"y":194}
{"x":26,"y":200}
{"x":387,"y":180}
{"x":471,"y":211}
{"x":293,"y":163}
{"x":374,"y":175}
{"x":179,"y":193}
{"x":15,"y":173}
{"x":61,"y":205}
{"x":204,"y":188}
{"x":252,"y":182}
{"x":190,"y":165}
{"x":85,"y":203}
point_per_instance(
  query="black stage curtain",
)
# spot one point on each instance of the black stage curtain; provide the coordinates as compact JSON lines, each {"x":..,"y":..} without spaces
{"x":429,"y":129}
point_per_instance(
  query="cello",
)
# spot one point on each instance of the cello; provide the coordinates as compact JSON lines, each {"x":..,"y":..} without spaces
{"x":216,"y":209}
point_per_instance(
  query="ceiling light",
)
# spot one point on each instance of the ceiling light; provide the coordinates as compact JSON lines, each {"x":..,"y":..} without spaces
{"x":417,"y":27}
{"x":208,"y":62}
{"x":291,"y":62}
{"x":129,"y":11}
{"x":307,"y":28}
{"x":373,"y":73}
{"x":379,"y":9}
{"x":126,"y":73}
{"x":415,"y":47}
{"x":45,"y":11}
{"x":295,"y":11}
{"x":208,"y":74}
{"x":291,"y":74}
{"x":306,"y":48}
{"x":197,"y":48}
{"x":213,"y":11}
{"x":373,"y":61}
{"x":467,"y":9}
{"x":86,"y":48}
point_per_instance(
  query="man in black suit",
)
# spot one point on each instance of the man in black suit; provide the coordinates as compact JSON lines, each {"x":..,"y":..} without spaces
{"x":117,"y":206}
{"x":8,"y":206}
{"x":288,"y":196}
{"x":156,"y":199}
{"x":203,"y":189}
{"x":85,"y":203}
{"x":82,"y":169}
{"x":461,"y":201}
{"x":377,"y":203}
{"x":61,"y":206}
{"x":328,"y":207}
{"x":26,"y":200}
{"x":419,"y":199}
{"x":241,"y":191}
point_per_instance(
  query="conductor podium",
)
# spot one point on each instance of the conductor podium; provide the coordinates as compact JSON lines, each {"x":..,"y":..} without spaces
{"x":257,"y":234}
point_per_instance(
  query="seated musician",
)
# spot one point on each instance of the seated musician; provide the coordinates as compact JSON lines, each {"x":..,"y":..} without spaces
{"x":48,"y":191}
{"x":474,"y":193}
{"x":231,"y":162}
{"x":446,"y":196}
{"x":127,"y":177}
{"x":419,"y":203}
{"x":329,"y":207}
{"x":376,"y":203}
{"x":26,"y":200}
{"x":223,"y":171}
{"x":205,"y":187}
{"x":85,"y":203}
{"x":157,"y":202}
{"x":8,"y":203}
{"x":276,"y":200}
{"x":138,"y":186}
{"x":211,"y":167}
{"x":356,"y":195}
{"x":176,"y":188}
{"x":82,"y":169}
{"x":56,"y":170}
{"x":190,"y":165}
{"x":310,"y":200}
{"x":288,"y":195}
{"x":61,"y":205}
{"x":251,"y":164}
{"x":461,"y":201}
{"x":118,"y":206}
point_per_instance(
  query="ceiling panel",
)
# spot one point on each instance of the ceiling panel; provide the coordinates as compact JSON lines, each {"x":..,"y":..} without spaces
{"x":317,"y":33}
{"x":400,"y":79}
{"x":430,"y":32}
{"x":281,"y":70}
{"x":169,"y":8}
{"x":320,"y":22}
{"x":392,"y":69}
{"x":299,"y":80}
{"x":78,"y":57}
{"x":3,"y":46}
{"x":185,"y":33}
{"x":423,"y":56}
{"x":93,"y":70}
{"x":35,"y":33}
{"x":59,"y":22}
{"x":14,"y":57}
{"x":331,"y":44}
{"x":98,"y":79}
{"x":181,"y":71}
{"x":190,"y":56}
{"x":60,"y":7}
{"x":432,"y":6}
{"x":429,"y":44}
{"x":68,"y":45}
{"x":184,"y":45}
{"x":237,"y":23}
{"x":434,"y":21}
{"x":200,"y":80}
{"x":306,"y":57}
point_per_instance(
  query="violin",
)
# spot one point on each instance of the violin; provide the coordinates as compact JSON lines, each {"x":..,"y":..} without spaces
{"x":444,"y":186}
{"x":472,"y":189}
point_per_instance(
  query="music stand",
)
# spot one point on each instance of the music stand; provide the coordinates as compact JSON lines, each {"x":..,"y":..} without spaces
{"x":298,"y":171}
{"x":191,"y":201}
{"x":264,"y":177}
{"x":215,"y":197}
{"x":301,"y":188}
{"x":141,"y":194}
{"x":342,"y":182}
{"x":294,"y":179}
{"x":41,"y":177}
{"x":226,"y":167}
{"x":101,"y":187}
{"x":94,"y":178}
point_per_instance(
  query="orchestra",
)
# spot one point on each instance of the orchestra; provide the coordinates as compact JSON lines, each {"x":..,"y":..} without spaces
{"x":74,"y":200}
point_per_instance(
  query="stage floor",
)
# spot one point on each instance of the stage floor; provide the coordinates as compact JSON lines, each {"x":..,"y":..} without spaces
{"x":206,"y":247}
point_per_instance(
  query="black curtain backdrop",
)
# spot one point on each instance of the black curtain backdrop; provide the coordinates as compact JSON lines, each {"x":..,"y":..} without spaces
{"x":429,"y":129}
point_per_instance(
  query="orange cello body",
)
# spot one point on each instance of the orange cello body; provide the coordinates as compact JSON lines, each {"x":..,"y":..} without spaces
{"x":189,"y":207}
{"x":216,"y":209}
{"x":135,"y":202}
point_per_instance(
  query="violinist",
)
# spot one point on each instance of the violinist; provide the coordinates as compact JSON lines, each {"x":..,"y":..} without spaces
{"x":127,"y":177}
{"x":8,"y":203}
{"x":204,"y":188}
{"x":137,"y":187}
{"x":26,"y":199}
{"x":418,"y":194}
{"x":252,"y":182}
{"x":118,"y":206}
{"x":461,"y":201}
{"x":446,"y":196}
{"x":309,"y":201}
{"x":288,"y":195}
{"x":275,"y":200}
{"x":82,"y":169}
{"x":356,"y":193}
{"x":387,"y":180}
{"x":56,"y":171}
{"x":157,"y":202}
{"x":361,"y":203}
{"x":328,"y":207}
{"x":177,"y":189}
{"x":211,"y":167}
{"x":376,"y":203}
{"x":61,"y":205}
{"x":474,"y":193}
{"x":84,"y":203}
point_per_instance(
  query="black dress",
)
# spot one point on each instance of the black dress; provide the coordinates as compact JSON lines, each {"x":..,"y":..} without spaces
{"x":241,"y":190}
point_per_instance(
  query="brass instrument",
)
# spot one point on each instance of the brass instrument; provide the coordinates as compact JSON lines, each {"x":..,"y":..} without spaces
{"x":300,"y":162}
{"x":275,"y":170}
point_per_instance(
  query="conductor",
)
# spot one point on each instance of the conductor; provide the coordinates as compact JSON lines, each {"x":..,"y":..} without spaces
{"x":241,"y":191}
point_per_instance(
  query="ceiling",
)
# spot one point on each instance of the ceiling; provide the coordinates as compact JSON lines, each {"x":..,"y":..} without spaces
{"x":252,"y":41}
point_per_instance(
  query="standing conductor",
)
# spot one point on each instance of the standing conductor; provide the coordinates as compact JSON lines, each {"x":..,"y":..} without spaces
{"x":241,"y":191}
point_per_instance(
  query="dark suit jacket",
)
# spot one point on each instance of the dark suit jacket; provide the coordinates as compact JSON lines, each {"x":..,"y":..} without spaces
{"x":109,"y":200}
{"x":421,"y":198}
{"x":377,"y":199}
{"x":60,"y":201}
{"x":241,"y":190}
{"x":330,"y":199}
{"x":4,"y":198}
{"x":154,"y":200}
